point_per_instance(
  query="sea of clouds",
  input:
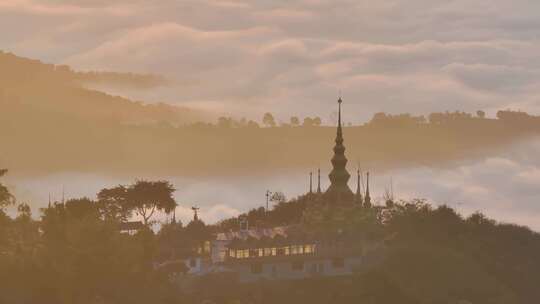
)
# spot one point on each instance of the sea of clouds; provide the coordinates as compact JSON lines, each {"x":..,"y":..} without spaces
{"x":503,"y":185}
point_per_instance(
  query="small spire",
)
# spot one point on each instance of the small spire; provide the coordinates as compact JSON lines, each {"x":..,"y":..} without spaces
{"x":310,"y":182}
{"x":319,"y":180}
{"x":367,"y":199}
{"x":359,"y":199}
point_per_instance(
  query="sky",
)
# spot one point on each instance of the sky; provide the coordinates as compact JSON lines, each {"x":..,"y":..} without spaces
{"x":293,"y":57}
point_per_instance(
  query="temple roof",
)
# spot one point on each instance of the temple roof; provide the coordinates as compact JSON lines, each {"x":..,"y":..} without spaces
{"x":257,"y":233}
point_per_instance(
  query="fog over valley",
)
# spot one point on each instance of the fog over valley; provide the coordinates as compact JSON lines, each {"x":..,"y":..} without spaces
{"x":503,"y":185}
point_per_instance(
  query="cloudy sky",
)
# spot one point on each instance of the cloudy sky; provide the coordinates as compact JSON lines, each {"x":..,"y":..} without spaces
{"x":294,"y":56}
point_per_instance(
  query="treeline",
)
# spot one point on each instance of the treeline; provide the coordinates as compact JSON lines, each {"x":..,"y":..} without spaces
{"x":74,"y":253}
{"x":379,"y":119}
{"x":31,"y":70}
{"x":432,"y":255}
{"x":437,"y":118}
{"x":268,"y":120}
{"x":31,"y":91}
{"x":231,"y":147}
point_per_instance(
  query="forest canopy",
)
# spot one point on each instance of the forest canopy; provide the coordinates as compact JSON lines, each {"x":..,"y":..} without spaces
{"x":73,"y":252}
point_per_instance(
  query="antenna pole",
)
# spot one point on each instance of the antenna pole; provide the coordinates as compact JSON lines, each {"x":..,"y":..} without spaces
{"x":268,"y":193}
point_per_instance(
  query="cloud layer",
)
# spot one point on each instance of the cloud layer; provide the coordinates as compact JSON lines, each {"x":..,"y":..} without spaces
{"x":503,"y":186}
{"x":292,"y":57}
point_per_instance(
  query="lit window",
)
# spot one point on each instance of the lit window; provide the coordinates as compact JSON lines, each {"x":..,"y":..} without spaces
{"x":309,"y":249}
{"x":207,"y":247}
{"x":274,"y":251}
{"x":267,"y":251}
{"x":232,"y":253}
{"x":287,"y":250}
{"x":261,"y":252}
{"x":242,"y":254}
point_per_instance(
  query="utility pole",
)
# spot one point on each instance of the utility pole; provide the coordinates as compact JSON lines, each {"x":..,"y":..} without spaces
{"x":268,"y":194}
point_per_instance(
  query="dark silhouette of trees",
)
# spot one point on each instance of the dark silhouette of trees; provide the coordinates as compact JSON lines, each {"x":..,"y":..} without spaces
{"x":446,"y":117}
{"x":268,"y":120}
{"x":481,"y":114}
{"x":312,"y":122}
{"x":383,"y":119}
{"x":515,"y":116}
{"x":295,"y":121}
{"x":143,"y":198}
{"x":113,"y":205}
{"x":81,"y":207}
{"x":430,"y":254}
{"x":6,"y":198}
{"x":252,"y":124}
{"x":147,"y":197}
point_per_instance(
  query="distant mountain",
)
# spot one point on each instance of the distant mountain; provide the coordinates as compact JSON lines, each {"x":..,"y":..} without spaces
{"x":49,"y":122}
{"x":30,"y":89}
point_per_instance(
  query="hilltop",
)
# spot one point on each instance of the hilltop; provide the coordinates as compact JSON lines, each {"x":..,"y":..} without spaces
{"x":32,"y":91}
{"x":47,"y":108}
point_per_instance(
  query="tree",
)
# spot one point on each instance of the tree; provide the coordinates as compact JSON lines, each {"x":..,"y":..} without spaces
{"x":80,"y":208}
{"x":278,"y":197}
{"x":24,"y":211}
{"x":268,"y":120}
{"x":6,"y":198}
{"x":481,"y":114}
{"x":295,"y":121}
{"x":147,"y":197}
{"x":225,"y":122}
{"x":308,"y":122}
{"x":312,"y":122}
{"x":252,"y":124}
{"x":112,"y":204}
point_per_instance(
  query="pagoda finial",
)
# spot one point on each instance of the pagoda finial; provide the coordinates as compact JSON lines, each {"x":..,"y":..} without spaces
{"x":367,"y":199}
{"x":358,"y":197}
{"x":339,"y":177}
{"x":339,"y":115}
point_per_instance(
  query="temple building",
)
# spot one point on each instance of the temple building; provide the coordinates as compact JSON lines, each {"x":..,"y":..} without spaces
{"x":289,"y":252}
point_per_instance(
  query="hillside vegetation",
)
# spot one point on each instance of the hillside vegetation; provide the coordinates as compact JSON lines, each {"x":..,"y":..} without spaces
{"x":50,"y":123}
{"x":32,"y":91}
{"x":74,"y":253}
